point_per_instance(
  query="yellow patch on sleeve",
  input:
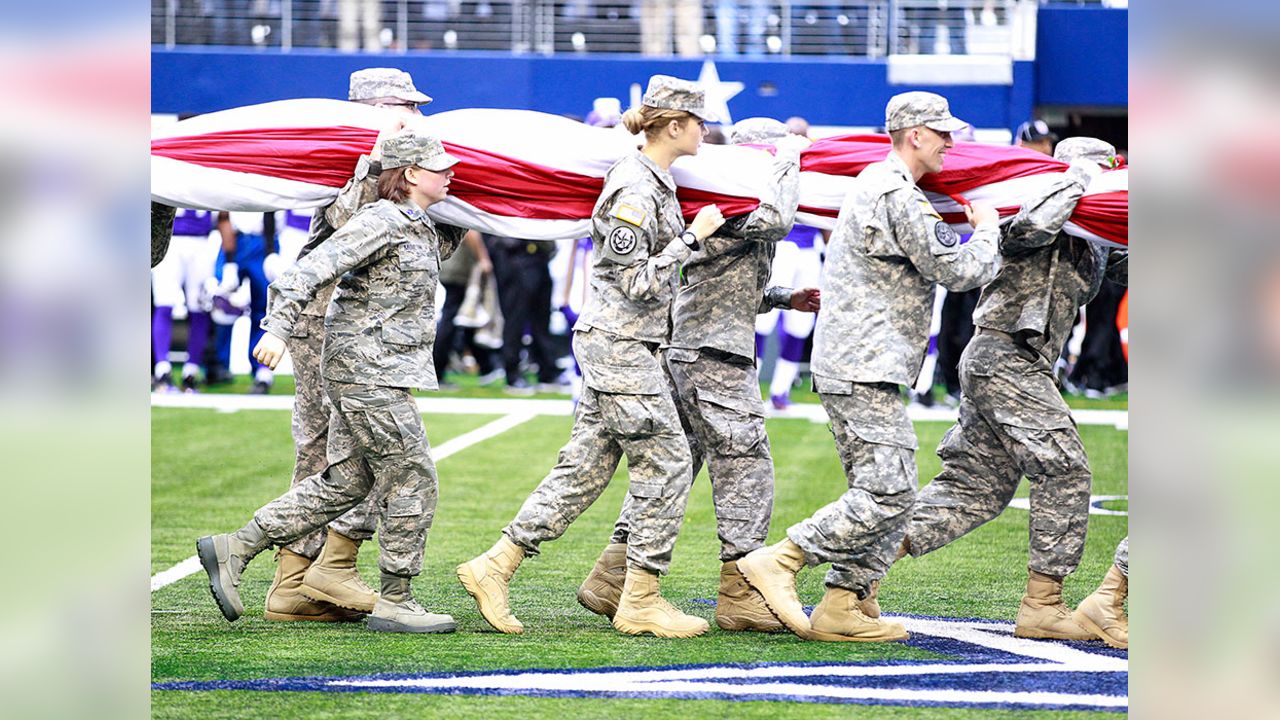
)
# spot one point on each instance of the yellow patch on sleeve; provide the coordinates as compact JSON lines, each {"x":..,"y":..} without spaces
{"x":629,"y":213}
{"x":928,"y":209}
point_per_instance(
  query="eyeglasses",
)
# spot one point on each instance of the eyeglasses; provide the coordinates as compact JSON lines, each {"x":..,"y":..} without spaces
{"x":411,"y":106}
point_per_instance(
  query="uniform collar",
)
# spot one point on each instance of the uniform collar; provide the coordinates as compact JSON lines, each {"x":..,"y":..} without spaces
{"x":411,"y":211}
{"x":663,"y":176}
{"x":899,"y":166}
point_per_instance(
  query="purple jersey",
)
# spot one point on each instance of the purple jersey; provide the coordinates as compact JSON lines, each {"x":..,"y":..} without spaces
{"x":803,"y":236}
{"x":297,"y":220}
{"x":197,"y":223}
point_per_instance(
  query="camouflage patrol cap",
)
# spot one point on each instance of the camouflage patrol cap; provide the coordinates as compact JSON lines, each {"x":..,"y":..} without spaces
{"x":1103,"y":153}
{"x":374,"y":83}
{"x":757,"y":130}
{"x":909,"y":109}
{"x":410,"y":148}
{"x":669,"y":93}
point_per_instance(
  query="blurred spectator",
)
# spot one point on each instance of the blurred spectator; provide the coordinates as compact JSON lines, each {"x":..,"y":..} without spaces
{"x":524,"y":293}
{"x":730,"y":20}
{"x":605,"y":112}
{"x":455,"y":274}
{"x":359,"y":19}
{"x":797,"y":264}
{"x":1035,"y":135}
{"x":797,"y":125}
{"x":938,"y":28}
{"x":180,"y":278}
{"x":247,"y":239}
{"x":656,"y":20}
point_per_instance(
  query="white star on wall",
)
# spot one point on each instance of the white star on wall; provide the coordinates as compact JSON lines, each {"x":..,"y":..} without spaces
{"x":718,"y":93}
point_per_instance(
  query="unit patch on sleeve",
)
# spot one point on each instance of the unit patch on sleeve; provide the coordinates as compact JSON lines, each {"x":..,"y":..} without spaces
{"x":946,"y":236}
{"x":622,"y":241}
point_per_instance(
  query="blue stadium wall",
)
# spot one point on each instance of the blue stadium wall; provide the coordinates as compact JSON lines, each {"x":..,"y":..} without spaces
{"x":1082,"y":61}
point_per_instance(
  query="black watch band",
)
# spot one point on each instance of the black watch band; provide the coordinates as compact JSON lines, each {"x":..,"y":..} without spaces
{"x":690,"y":239}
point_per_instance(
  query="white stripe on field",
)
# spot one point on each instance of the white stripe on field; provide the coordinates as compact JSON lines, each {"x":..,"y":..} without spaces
{"x":813,"y":412}
{"x":191,"y":565}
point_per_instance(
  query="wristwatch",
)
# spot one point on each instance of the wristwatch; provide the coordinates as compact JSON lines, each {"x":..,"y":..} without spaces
{"x":690,"y":239}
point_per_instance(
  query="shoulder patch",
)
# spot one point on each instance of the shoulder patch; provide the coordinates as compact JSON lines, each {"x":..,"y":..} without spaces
{"x":629,"y":213}
{"x":623,"y":240}
{"x":945,"y":235}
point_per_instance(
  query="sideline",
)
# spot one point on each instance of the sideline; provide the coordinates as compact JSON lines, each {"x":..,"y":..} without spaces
{"x":191,"y":565}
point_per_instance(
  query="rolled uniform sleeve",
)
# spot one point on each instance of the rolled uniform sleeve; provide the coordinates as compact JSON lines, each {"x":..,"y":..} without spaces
{"x":359,"y":191}
{"x":450,"y":237}
{"x":359,"y":241}
{"x":628,"y":227}
{"x":1118,"y":267}
{"x":772,"y":220}
{"x":935,"y":249}
{"x":1039,"y":221}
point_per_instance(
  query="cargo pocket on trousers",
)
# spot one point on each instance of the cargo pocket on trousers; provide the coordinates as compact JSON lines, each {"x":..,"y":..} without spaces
{"x":630,"y":416}
{"x":734,"y":425}
{"x":404,"y":506}
{"x":891,"y":467}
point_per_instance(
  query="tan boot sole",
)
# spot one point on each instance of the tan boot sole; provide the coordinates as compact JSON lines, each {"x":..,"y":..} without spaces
{"x":1088,"y":624}
{"x":836,"y":637}
{"x":321,"y":596}
{"x":472,"y":586}
{"x":749,"y":626}
{"x":327,"y":617}
{"x":639,"y":628}
{"x":1038,"y":634}
{"x":596,"y":604}
{"x":747,"y":571}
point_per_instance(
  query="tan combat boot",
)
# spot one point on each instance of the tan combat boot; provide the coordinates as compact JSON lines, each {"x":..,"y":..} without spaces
{"x":487,"y":577}
{"x":397,"y":611}
{"x":772,"y":572}
{"x":285,"y":601}
{"x":839,"y":617}
{"x":599,"y":593}
{"x":642,"y":609}
{"x":1042,"y":614}
{"x":739,"y":606}
{"x":869,"y":605}
{"x":224,"y":558}
{"x":333,"y":577}
{"x":1102,"y":613}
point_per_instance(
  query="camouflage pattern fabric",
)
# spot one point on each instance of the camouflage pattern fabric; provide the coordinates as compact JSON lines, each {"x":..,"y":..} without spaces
{"x":723,"y":284}
{"x":669,"y":93}
{"x":718,"y":397}
{"x":637,"y":251}
{"x":378,"y":452}
{"x":380,"y":326}
{"x":378,"y":83}
{"x":1122,"y":556}
{"x":888,"y":250}
{"x":861,"y":531}
{"x":359,"y":191}
{"x":422,"y":151}
{"x":909,"y":109}
{"x":626,"y":407}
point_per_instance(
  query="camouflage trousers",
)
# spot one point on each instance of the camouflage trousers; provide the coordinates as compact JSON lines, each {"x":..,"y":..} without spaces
{"x":625,"y":408}
{"x":860,"y":533}
{"x":1013,"y":422}
{"x":378,"y":451}
{"x":311,"y":411}
{"x":718,"y":397}
{"x":1122,"y":556}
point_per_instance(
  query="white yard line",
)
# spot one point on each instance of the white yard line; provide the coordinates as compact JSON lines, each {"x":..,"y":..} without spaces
{"x":813,"y":412}
{"x":191,"y":565}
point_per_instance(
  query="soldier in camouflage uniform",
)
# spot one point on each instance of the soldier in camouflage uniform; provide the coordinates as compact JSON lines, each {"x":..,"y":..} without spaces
{"x":889,"y":249}
{"x":314,"y":565}
{"x":626,"y":406}
{"x":1013,"y":420}
{"x":379,"y":332}
{"x":711,"y":361}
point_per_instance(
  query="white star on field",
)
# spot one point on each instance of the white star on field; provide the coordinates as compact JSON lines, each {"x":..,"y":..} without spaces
{"x":718,"y":93}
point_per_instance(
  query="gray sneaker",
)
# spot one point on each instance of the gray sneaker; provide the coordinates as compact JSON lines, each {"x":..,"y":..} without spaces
{"x":407,"y":617}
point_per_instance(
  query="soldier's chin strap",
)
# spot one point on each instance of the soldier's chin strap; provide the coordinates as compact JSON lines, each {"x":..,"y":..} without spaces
{"x":161,"y":230}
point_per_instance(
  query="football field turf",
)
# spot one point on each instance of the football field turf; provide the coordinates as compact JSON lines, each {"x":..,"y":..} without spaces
{"x":211,"y":470}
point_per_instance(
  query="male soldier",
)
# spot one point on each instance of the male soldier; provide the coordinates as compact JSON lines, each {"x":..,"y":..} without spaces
{"x":314,"y":582}
{"x":888,"y":250}
{"x":711,"y":361}
{"x":1013,"y":420}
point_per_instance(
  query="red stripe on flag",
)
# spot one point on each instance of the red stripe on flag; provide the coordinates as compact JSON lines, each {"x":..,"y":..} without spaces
{"x":321,"y":156}
{"x":1105,"y":215}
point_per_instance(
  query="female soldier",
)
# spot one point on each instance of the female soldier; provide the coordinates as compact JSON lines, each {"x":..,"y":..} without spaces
{"x":379,"y":333}
{"x":626,"y":405}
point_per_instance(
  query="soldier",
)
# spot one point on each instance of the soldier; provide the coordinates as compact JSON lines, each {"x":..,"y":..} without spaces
{"x":1102,"y":613}
{"x":378,"y":341}
{"x":888,"y":250}
{"x":626,"y":406}
{"x":711,"y":361}
{"x":316,"y":576}
{"x":1013,"y":420}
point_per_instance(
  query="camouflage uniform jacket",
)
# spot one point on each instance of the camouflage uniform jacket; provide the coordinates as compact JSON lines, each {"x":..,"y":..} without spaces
{"x":359,"y":191}
{"x":380,"y":326}
{"x":888,"y":250}
{"x":1047,"y":274}
{"x":724,"y":283}
{"x":637,"y":251}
